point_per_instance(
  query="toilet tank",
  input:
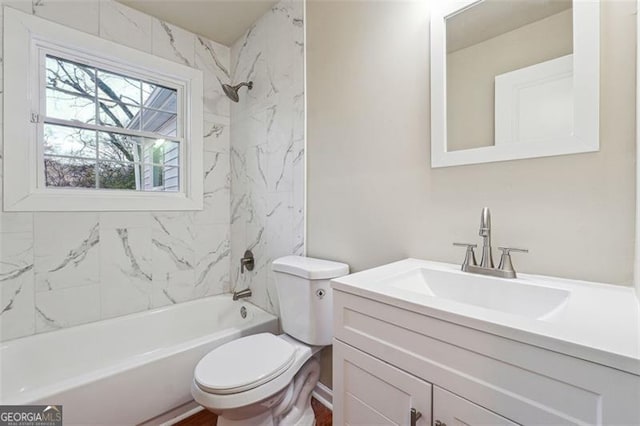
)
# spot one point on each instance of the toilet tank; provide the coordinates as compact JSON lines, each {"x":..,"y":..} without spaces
{"x":306,"y":298}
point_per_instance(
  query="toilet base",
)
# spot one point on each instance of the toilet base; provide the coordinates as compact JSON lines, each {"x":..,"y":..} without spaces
{"x":266,"y":419}
{"x":290,"y":407}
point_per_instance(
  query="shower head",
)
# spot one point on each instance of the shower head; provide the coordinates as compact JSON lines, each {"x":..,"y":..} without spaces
{"x":232,"y":91}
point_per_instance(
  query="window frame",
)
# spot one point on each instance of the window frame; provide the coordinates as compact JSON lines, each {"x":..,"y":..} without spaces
{"x":27,"y":41}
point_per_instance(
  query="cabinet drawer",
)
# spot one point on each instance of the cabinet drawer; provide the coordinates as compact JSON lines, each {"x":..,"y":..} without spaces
{"x":524,"y":383}
{"x":451,"y":410}
{"x":367,"y":391}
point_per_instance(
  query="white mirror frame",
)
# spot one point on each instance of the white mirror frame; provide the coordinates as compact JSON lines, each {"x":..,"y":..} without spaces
{"x":636,"y":260}
{"x":586,"y":93}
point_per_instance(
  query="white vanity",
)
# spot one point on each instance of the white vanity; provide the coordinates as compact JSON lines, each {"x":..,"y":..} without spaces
{"x":419,"y":342}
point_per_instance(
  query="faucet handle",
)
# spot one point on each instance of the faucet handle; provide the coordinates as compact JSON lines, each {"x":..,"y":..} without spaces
{"x":465,"y":245}
{"x":505,"y":259}
{"x":247,"y":262}
{"x":470,"y":255}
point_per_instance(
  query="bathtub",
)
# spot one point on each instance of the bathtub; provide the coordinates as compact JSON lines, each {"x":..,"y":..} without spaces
{"x":126,"y":370}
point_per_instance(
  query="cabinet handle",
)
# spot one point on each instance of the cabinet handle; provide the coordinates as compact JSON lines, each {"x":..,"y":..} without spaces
{"x":439,"y":423}
{"x":415,"y":415}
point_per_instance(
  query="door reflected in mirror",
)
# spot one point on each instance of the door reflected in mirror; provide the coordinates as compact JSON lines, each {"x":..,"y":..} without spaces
{"x":509,"y":73}
{"x":513,"y":79}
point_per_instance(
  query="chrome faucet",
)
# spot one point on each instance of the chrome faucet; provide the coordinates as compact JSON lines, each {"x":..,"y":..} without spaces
{"x":242,"y":294}
{"x":247,"y":262}
{"x":505,"y":268}
{"x":486,"y":261}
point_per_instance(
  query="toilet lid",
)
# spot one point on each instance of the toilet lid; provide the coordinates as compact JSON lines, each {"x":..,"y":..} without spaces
{"x":244,"y":364}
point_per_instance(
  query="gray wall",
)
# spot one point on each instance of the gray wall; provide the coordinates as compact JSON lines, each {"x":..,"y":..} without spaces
{"x":372,"y":196}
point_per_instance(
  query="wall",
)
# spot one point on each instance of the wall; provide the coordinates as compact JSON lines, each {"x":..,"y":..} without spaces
{"x":372,"y":196}
{"x":64,"y":269}
{"x":267,"y":148}
{"x":636,"y":271}
{"x":471,"y":73}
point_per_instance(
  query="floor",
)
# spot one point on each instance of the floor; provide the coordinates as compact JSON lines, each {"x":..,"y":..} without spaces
{"x":207,"y":418}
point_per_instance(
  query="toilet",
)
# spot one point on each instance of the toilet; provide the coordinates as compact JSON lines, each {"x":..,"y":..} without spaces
{"x":267,"y":380}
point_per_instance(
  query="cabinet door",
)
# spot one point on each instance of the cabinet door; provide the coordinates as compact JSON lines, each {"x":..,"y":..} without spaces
{"x":451,"y":410}
{"x":367,"y":391}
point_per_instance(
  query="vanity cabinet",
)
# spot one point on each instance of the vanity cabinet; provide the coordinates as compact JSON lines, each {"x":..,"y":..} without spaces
{"x":389,"y":359}
{"x":376,"y":393}
{"x":450,"y":409}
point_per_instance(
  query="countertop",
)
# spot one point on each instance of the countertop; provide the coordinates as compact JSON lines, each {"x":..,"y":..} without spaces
{"x":598,"y":323}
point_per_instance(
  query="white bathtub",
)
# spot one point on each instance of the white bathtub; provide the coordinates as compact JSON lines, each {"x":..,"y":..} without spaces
{"x":125,"y":370}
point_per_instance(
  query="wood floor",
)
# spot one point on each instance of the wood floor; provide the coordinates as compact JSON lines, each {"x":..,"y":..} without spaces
{"x":207,"y":418}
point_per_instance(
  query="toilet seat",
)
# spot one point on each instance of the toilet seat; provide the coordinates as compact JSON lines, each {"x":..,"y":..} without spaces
{"x":244,"y":364}
{"x":217,"y":402}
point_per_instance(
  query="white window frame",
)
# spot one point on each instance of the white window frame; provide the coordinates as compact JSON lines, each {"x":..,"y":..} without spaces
{"x":27,"y":39}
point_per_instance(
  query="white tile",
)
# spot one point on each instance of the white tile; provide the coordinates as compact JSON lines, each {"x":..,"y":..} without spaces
{"x":125,"y":25}
{"x":217,"y":189}
{"x":113,"y":220}
{"x":81,"y":15}
{"x":298,"y":113}
{"x":267,"y":148}
{"x":17,"y":314}
{"x":279,"y":224}
{"x":256,"y":169}
{"x":216,"y":118}
{"x":238,"y":247}
{"x":280,"y":165}
{"x":281,"y":47}
{"x":298,"y":199}
{"x":213,"y":59}
{"x":176,"y":288}
{"x":250,"y":128}
{"x":15,"y":222}
{"x":173,"y":259}
{"x":126,"y":273}
{"x":67,"y":307}
{"x":66,"y":248}
{"x":217,"y":136}
{"x":173,"y":43}
{"x":273,"y":304}
{"x":213,"y":256}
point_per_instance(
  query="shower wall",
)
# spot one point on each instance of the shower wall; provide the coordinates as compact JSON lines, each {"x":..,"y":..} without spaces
{"x":63,"y":269}
{"x":268,"y":148}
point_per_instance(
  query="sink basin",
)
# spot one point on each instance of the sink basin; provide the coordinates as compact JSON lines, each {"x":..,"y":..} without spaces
{"x":498,"y":294}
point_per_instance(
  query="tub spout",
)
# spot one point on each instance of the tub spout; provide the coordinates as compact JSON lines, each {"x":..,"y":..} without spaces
{"x":242,"y":294}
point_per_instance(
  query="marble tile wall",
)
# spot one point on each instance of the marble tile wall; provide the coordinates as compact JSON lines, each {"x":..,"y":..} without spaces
{"x":267,"y":148}
{"x":63,"y":269}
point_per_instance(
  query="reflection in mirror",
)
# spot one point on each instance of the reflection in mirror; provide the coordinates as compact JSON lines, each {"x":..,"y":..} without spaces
{"x":509,"y":73}
{"x":513,"y":79}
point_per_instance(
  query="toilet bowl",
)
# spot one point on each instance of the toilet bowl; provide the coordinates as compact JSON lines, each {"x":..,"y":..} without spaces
{"x":262,"y":390}
{"x":267,"y":380}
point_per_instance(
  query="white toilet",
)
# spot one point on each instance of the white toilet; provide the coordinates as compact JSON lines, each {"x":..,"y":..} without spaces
{"x":266,"y":379}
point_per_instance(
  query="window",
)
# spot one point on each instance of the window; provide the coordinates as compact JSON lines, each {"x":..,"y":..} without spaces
{"x":114,"y":130}
{"x":104,"y":130}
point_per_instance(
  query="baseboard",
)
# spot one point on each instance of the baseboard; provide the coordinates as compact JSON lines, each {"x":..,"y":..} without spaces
{"x":324,"y":395}
{"x":174,"y":415}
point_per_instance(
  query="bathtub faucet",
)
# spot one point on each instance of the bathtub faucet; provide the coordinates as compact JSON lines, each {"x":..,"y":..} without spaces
{"x":242,"y":294}
{"x":247,"y":262}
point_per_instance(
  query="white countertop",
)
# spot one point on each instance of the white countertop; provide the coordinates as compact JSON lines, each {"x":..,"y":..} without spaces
{"x":599,"y":322}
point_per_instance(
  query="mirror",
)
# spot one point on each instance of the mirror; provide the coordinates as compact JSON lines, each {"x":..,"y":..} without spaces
{"x":512,"y":80}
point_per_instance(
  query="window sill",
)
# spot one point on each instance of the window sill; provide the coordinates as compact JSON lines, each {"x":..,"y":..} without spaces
{"x":104,"y":200}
